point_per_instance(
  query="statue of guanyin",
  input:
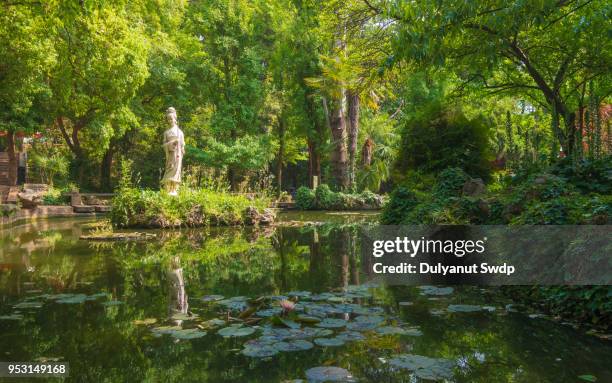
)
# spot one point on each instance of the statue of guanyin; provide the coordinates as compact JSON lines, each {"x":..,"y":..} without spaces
{"x":174,"y":147}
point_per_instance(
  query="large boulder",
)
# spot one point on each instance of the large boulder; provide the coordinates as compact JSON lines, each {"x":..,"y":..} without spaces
{"x":254,"y":217}
{"x":30,"y":199}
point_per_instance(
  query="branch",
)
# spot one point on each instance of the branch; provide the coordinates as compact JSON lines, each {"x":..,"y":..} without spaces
{"x":372,"y":8}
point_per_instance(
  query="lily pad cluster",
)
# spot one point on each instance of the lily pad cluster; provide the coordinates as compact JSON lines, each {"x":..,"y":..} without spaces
{"x":328,"y":374}
{"x":38,"y":301}
{"x":433,"y":290}
{"x":424,"y":367}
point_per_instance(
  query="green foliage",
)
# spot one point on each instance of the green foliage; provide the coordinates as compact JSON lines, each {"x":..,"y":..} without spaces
{"x":588,"y":176}
{"x":438,"y":138}
{"x":51,"y":167}
{"x":449,"y":183}
{"x":590,"y":304}
{"x":53,"y":196}
{"x":133,"y":207}
{"x":305,"y":198}
{"x":323,"y":198}
{"x":539,"y":198}
{"x":326,"y":198}
{"x":401,"y":203}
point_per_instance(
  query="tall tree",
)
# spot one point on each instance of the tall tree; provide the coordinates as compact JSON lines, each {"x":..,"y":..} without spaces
{"x":545,"y":50}
{"x":25,"y":53}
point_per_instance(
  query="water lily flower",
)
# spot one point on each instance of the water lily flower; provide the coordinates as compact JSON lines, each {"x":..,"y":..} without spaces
{"x":286,"y":305}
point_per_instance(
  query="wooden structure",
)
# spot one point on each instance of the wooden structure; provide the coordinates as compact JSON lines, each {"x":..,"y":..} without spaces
{"x":4,"y":167}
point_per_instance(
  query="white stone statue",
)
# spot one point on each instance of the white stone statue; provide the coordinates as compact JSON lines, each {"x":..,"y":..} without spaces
{"x":174,"y":147}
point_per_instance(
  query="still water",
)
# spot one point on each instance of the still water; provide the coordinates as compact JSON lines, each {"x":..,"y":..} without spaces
{"x":156,"y":311}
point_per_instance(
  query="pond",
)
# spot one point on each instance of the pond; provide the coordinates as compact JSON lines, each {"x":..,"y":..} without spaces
{"x":204,"y":305}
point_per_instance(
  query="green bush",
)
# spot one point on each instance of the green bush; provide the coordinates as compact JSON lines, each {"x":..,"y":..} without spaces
{"x":133,"y":207}
{"x":305,"y":198}
{"x":326,"y":198}
{"x":323,"y":198}
{"x":589,"y":176}
{"x":449,"y":183}
{"x":400,"y":205}
{"x":53,"y":196}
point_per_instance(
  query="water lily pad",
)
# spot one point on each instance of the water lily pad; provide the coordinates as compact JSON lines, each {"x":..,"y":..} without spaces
{"x":463,"y":308}
{"x":212,"y":298}
{"x":299,"y":294}
{"x":235,"y":303}
{"x":588,"y":378}
{"x":112,"y":303}
{"x":192,"y":333}
{"x":406,"y":303}
{"x":349,"y":336}
{"x":308,"y":319}
{"x":391,"y":330}
{"x":328,"y":374}
{"x":236,"y":331}
{"x":11,"y":317}
{"x":374,"y":310}
{"x":75,"y":299}
{"x":145,"y":322}
{"x":433,"y":290}
{"x":322,"y":297}
{"x":28,"y":305}
{"x":295,"y":345}
{"x":339,"y":299}
{"x":489,"y":308}
{"x":289,"y":323}
{"x":215,"y":322}
{"x":259,"y":351}
{"x":331,"y":323}
{"x":161,"y":330}
{"x":361,"y":326}
{"x":425,"y":367}
{"x":269,"y":312}
{"x":329,"y":342}
{"x":374,"y":319}
{"x":184,"y":316}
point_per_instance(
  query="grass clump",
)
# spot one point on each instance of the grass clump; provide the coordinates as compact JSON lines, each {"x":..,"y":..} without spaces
{"x":133,"y":207}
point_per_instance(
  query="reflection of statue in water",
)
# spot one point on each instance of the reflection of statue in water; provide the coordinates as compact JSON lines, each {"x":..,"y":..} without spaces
{"x":177,"y":304}
{"x":174,"y":147}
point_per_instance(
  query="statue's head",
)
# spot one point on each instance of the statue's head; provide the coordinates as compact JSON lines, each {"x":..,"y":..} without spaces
{"x":171,"y":116}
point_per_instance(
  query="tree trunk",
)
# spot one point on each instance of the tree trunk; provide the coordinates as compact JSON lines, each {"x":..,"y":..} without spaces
{"x":353,"y":133}
{"x":12,"y":158}
{"x":106,"y":167}
{"x":281,"y":155}
{"x":339,"y":160}
{"x":366,"y":152}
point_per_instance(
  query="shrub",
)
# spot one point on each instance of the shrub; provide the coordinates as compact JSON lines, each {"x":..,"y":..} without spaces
{"x":305,"y":198}
{"x":402,"y":202}
{"x":449,"y":183}
{"x":326,"y":198}
{"x":53,"y":196}
{"x":323,"y":198}
{"x":590,"y":176}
